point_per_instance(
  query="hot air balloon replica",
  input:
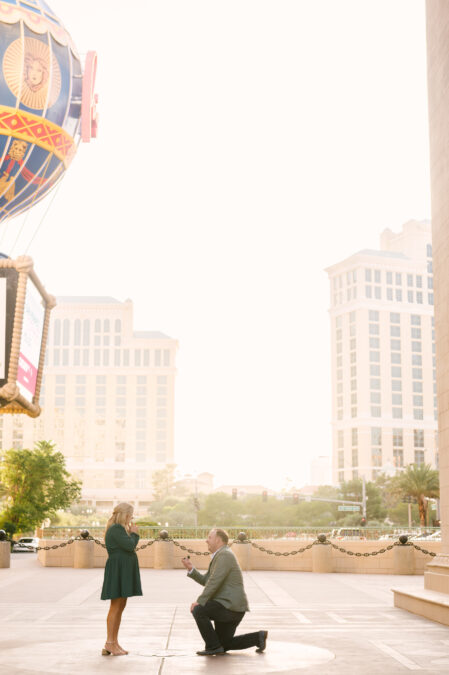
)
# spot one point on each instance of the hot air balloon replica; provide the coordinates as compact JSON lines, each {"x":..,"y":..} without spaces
{"x":47,"y":106}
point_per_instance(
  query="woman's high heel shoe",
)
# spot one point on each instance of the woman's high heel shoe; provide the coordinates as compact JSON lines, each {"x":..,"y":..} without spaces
{"x":109,"y":652}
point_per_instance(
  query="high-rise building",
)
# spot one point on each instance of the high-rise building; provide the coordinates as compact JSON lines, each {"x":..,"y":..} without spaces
{"x":383,"y":356}
{"x":107,"y":400}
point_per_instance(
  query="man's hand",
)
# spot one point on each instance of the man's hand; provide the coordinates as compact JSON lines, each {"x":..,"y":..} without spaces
{"x":193,"y":605}
{"x":187,"y":564}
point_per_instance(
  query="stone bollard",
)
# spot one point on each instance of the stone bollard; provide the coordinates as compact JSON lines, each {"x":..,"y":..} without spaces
{"x":404,"y":560}
{"x":83,"y":556}
{"x":243,"y":554}
{"x":5,"y":554}
{"x":164,"y":555}
{"x":322,"y":560}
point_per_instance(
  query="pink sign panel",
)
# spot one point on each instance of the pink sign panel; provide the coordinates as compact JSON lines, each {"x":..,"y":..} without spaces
{"x":30,"y":344}
{"x":26,"y":374}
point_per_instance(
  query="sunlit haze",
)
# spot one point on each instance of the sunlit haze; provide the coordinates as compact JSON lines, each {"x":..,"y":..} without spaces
{"x":243,"y":147}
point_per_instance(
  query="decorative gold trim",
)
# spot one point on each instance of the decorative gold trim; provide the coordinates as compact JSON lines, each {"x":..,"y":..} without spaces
{"x":10,"y":392}
{"x":50,"y":303}
{"x":38,"y":130}
{"x":36,"y":23}
{"x":24,"y":266}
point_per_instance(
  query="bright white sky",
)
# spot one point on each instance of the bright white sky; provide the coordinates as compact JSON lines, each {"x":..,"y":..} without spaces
{"x":244,"y":146}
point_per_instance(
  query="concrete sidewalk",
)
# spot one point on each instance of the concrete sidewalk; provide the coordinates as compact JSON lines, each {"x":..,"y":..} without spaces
{"x":52,"y":621}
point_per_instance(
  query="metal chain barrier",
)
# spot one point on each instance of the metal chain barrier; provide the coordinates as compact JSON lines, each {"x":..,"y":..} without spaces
{"x":188,"y":550}
{"x":364,"y":555}
{"x":242,"y":539}
{"x":403,"y":541}
{"x":278,"y":553}
{"x":323,"y":541}
{"x":64,"y":543}
{"x":423,"y":550}
{"x":48,"y":548}
{"x":140,"y":548}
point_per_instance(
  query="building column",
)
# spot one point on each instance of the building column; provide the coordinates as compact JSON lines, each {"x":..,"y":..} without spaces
{"x":436,"y":579}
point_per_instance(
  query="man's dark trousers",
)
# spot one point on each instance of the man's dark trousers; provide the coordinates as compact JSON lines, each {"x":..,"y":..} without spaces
{"x":226,"y":622}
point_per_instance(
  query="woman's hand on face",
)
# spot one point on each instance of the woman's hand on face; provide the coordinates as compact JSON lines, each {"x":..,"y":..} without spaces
{"x":133,"y":528}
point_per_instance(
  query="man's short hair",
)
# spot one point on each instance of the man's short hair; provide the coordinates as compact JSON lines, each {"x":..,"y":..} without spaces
{"x":222,"y":534}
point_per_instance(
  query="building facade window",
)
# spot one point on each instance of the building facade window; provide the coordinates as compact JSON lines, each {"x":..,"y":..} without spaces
{"x":419,"y":457}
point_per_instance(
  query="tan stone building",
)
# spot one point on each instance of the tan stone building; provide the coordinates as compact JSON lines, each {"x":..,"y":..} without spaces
{"x":203,"y":483}
{"x":107,"y":399}
{"x":383,"y":356}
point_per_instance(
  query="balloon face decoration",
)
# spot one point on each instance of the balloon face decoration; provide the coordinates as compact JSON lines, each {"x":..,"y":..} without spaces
{"x":47,"y":104}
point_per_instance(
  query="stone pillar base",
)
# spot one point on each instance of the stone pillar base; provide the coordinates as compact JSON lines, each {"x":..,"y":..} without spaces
{"x":436,"y":576}
{"x":430,"y":604}
{"x":243,"y":554}
{"x":164,"y":558}
{"x":432,"y":601}
{"x":322,"y":558}
{"x":83,"y":556}
{"x":404,"y":559}
{"x":5,"y":554}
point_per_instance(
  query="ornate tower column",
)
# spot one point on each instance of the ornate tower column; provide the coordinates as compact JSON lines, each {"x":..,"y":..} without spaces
{"x":438,"y":91}
{"x":433,"y":600}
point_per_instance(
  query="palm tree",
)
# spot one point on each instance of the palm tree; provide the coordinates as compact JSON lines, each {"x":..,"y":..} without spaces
{"x":419,"y":481}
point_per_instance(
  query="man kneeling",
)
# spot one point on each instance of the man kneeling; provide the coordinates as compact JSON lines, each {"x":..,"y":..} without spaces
{"x":223,"y":600}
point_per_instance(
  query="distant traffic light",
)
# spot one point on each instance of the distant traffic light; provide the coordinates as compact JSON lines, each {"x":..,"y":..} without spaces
{"x":196,"y":503}
{"x":234,"y":493}
{"x":295,"y":498}
{"x":264,"y":496}
{"x":363,"y":522}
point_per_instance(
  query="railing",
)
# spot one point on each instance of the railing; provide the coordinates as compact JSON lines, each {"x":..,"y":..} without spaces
{"x":243,"y":538}
{"x":286,"y":533}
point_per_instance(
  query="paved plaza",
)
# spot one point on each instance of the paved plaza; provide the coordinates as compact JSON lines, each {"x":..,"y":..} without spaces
{"x":52,"y":621}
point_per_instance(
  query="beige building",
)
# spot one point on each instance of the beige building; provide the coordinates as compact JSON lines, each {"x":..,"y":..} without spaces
{"x":383,"y":356}
{"x":107,"y":400}
{"x":202,"y":483}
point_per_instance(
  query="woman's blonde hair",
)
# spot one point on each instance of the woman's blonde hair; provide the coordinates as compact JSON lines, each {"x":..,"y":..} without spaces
{"x":119,"y":515}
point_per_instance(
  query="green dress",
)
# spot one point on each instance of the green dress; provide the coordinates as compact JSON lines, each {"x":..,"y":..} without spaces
{"x":121,"y":574}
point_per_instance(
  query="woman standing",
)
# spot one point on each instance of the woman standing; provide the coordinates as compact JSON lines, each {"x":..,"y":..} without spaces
{"x":121,"y":574}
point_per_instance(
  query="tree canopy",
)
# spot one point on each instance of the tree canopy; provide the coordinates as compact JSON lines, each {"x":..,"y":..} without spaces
{"x":384,"y":501}
{"x":163,"y":482}
{"x":352,"y":490}
{"x":37,"y":484}
{"x":420,"y":482}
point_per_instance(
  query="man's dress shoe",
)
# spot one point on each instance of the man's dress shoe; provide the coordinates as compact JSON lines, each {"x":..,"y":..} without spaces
{"x":211,"y":652}
{"x":263,"y":634}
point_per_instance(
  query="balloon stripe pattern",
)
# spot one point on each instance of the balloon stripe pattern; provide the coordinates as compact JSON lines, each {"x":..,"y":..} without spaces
{"x":40,"y":103}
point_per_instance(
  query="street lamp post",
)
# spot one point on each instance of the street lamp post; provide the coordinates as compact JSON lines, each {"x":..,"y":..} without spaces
{"x":387,"y":469}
